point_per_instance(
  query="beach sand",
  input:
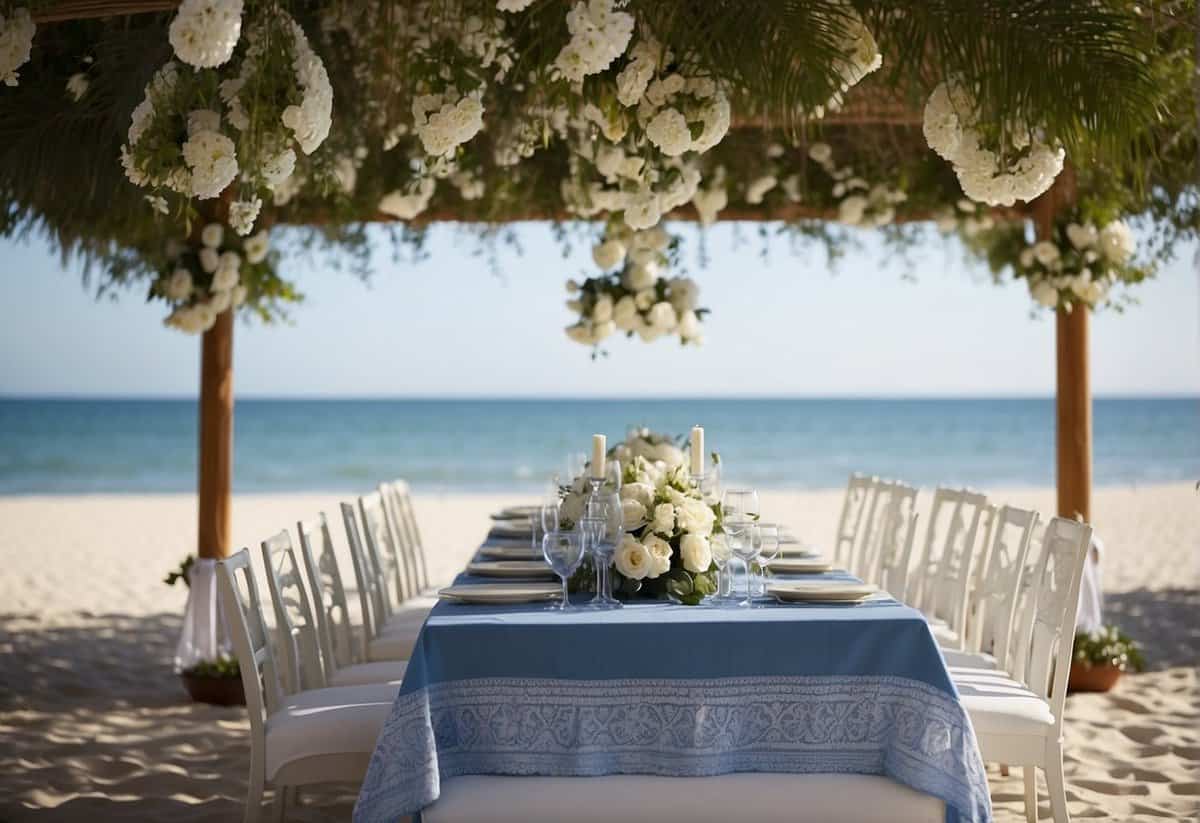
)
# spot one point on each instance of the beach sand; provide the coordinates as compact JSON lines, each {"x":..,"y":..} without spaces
{"x":94,"y":725}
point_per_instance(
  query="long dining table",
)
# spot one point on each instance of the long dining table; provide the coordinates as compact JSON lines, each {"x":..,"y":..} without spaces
{"x":661,"y":689}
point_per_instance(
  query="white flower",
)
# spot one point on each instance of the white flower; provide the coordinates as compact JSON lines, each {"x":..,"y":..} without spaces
{"x":77,"y":86}
{"x":689,"y":326}
{"x":212,"y":158}
{"x":1116,"y":242}
{"x":820,"y":153}
{"x":157,"y":204}
{"x":635,"y":77}
{"x":609,"y":254}
{"x":512,"y":5}
{"x":633,"y":513}
{"x":641,"y":492}
{"x":660,"y":555}
{"x":1046,"y":253}
{"x":16,"y":43}
{"x":209,"y":259}
{"x":444,"y":125}
{"x":668,"y":130}
{"x":662,"y":316}
{"x":631,"y":559}
{"x":695,"y":552}
{"x":212,"y":235}
{"x":406,"y":206}
{"x":852,"y":209}
{"x":709,"y":202}
{"x":256,"y":246}
{"x":643,"y":212}
{"x":1026,"y":258}
{"x":240,"y":292}
{"x":695,"y":517}
{"x":220,"y":301}
{"x":759,"y":188}
{"x":1044,"y":293}
{"x":205,"y":32}
{"x":573,"y":286}
{"x":243,"y":213}
{"x":574,"y":305}
{"x":179,"y":285}
{"x":664,"y":519}
{"x":226,"y":275}
{"x":599,"y":35}
{"x":639,"y":276}
{"x":602,"y":309}
{"x":1082,"y":237}
{"x":644,"y":299}
{"x":311,"y":120}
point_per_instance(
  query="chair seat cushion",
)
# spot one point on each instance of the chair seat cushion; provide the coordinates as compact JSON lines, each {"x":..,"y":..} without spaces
{"x":761,"y":798}
{"x":362,"y":674}
{"x":340,"y":720}
{"x":999,"y":705}
{"x":969,"y":661}
{"x":394,"y":645}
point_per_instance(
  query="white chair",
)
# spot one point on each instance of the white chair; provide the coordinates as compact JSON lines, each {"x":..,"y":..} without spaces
{"x":335,"y":631}
{"x":944,"y":570}
{"x":298,"y":635}
{"x":386,"y":635}
{"x":887,"y":537}
{"x":398,"y":504}
{"x":315,"y":736}
{"x":1020,"y":721}
{"x":860,"y":489}
{"x":993,"y":629}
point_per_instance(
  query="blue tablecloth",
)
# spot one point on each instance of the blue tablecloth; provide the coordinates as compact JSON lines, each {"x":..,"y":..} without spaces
{"x":656,"y":688}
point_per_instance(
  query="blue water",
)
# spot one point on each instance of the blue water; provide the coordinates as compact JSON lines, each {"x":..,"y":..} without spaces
{"x":62,"y":446}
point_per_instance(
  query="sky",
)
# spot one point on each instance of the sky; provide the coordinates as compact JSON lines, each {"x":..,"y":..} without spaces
{"x":783,"y":324}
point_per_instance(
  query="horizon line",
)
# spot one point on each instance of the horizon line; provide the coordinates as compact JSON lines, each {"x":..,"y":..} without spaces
{"x":420,"y":397}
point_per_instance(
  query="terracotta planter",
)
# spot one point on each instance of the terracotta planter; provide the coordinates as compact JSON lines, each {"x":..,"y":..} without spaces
{"x":216,"y":691}
{"x":1092,"y":678}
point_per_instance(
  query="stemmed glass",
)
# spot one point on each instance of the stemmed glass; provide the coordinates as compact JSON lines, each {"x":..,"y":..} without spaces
{"x":564,"y":552}
{"x":721,"y":556}
{"x":602,"y":527}
{"x":546,"y":516}
{"x":766,"y":536}
{"x":739,"y":511}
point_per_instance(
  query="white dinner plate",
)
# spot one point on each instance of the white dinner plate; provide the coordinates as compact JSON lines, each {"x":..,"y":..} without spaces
{"x":511,"y":568}
{"x":510,"y":552}
{"x":501,"y":593}
{"x":512,"y":528}
{"x":800,"y":565}
{"x":516,"y":513}
{"x":820,"y":591}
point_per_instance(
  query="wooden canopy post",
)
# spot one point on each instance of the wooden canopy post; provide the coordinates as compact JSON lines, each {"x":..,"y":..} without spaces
{"x":216,"y":438}
{"x":1073,"y":385}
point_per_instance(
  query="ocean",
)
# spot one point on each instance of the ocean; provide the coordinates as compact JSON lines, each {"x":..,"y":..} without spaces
{"x":60,"y":446}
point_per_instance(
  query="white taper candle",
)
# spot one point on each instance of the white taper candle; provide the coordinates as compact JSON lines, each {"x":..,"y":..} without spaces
{"x":599,"y":449}
{"x":697,"y":451}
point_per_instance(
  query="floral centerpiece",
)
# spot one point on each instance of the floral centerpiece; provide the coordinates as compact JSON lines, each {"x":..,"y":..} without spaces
{"x":1080,"y":265}
{"x":667,"y":549}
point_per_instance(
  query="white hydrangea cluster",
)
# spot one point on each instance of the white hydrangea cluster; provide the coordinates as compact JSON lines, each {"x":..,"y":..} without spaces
{"x":1022,"y":170}
{"x":311,"y":120}
{"x":966,"y":217}
{"x":859,"y":202}
{"x":16,"y":43}
{"x":860,"y":57}
{"x":631,"y":295}
{"x":712,"y":197}
{"x":204,"y":33}
{"x":446,"y":120}
{"x":201,"y":283}
{"x":204,"y":164}
{"x":1080,"y":266}
{"x":406,"y":205}
{"x":599,"y":35}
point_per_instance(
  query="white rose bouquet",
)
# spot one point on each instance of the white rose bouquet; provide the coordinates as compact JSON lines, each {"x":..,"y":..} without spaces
{"x":667,"y":549}
{"x":1080,"y":265}
{"x":632,"y":296}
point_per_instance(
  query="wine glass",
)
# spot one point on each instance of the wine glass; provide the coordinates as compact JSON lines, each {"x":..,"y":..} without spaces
{"x":576,"y":465}
{"x":721,"y":556}
{"x":740,"y":504}
{"x":564,"y":552}
{"x":766,"y":535}
{"x":740,"y":531}
{"x":603,"y":525}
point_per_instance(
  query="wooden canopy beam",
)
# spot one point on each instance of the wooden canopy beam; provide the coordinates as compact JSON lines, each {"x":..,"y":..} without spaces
{"x":91,"y":9}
